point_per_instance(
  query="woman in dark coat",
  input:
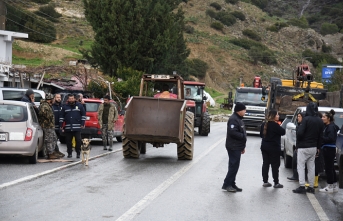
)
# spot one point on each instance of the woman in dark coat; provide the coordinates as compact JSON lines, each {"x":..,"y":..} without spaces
{"x":271,"y":133}
{"x":329,"y":151}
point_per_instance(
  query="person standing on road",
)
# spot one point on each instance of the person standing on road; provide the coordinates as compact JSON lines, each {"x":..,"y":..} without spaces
{"x":309,"y":140}
{"x":74,"y":116}
{"x":236,"y":138}
{"x":47,"y":121}
{"x":29,"y":97}
{"x":329,"y":151}
{"x":107,"y":115}
{"x":295,"y":176}
{"x":271,"y":133}
{"x":57,"y":107}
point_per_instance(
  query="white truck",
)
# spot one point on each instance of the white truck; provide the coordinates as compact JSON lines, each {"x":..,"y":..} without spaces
{"x":256,"y":108}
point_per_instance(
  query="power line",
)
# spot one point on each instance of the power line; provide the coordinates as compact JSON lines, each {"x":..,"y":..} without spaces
{"x":30,"y":28}
{"x":37,"y":10}
{"x":28,"y":14}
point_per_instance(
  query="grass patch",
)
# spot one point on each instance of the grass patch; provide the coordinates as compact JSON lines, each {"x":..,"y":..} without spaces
{"x":73,"y":44}
{"x":33,"y":62}
{"x":213,"y":92}
{"x":215,"y":111}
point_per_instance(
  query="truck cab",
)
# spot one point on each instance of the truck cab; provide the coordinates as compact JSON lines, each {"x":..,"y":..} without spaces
{"x":255,"y":107}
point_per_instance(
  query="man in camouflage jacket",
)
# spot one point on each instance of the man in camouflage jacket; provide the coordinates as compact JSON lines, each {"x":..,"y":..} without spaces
{"x":47,"y":121}
{"x":107,"y":115}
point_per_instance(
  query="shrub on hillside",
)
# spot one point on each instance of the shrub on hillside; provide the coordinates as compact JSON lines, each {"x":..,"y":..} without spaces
{"x":301,"y":23}
{"x":217,"y":25}
{"x":317,"y":58}
{"x":266,"y":56}
{"x":211,"y":13}
{"x":226,"y":18}
{"x":251,"y":34}
{"x":216,"y":6}
{"x":238,"y":15}
{"x":247,"y":44}
{"x":328,"y":28}
{"x":260,"y":3}
{"x":277,"y":26}
{"x":311,"y":42}
{"x":189,"y":29}
{"x":197,"y":67}
{"x":326,"y":48}
{"x":48,"y":12}
{"x":38,"y":30}
{"x":231,"y":1}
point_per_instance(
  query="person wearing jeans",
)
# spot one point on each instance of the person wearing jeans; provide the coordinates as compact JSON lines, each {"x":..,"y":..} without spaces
{"x":271,"y":133}
{"x":329,"y":151}
{"x":309,"y":139}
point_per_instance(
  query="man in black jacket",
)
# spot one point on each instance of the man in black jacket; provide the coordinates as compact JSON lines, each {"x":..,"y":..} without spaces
{"x":29,"y":97}
{"x":74,"y":116}
{"x":57,"y":108}
{"x":309,"y":139}
{"x":236,"y":138}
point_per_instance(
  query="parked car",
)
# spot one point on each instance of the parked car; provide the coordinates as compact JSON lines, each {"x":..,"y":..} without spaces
{"x":20,"y":132}
{"x":92,"y":127}
{"x":15,"y":94}
{"x":290,"y":137}
{"x":283,"y":125}
{"x":339,"y":157}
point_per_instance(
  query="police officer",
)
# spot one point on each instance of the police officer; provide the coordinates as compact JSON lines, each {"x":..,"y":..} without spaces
{"x":74,"y":116}
{"x":236,"y":138}
{"x":47,"y":121}
{"x":107,"y":115}
{"x":57,"y":107}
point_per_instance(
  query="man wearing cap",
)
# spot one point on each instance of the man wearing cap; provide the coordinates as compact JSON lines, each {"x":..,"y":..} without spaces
{"x":46,"y":119}
{"x":236,"y":138}
{"x":29,"y":97}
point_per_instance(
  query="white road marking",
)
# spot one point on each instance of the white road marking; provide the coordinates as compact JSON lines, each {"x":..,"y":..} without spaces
{"x":317,"y":207}
{"x":31,"y":177}
{"x":143,"y":203}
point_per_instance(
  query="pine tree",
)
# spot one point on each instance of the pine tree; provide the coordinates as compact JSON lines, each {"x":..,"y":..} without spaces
{"x":145,"y":35}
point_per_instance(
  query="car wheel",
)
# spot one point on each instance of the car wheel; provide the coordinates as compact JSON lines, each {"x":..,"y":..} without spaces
{"x":119,"y":139}
{"x":34,"y":157}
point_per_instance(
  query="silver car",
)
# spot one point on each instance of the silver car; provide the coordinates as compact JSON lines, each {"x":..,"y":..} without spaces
{"x":20,"y":132}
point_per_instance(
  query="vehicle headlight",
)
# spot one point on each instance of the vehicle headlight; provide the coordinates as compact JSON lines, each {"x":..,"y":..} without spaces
{"x":88,"y":118}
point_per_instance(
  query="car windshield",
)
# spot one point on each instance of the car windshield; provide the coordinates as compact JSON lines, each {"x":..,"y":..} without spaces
{"x":191,"y":92}
{"x":12,"y":113}
{"x":248,"y":98}
{"x":92,"y":107}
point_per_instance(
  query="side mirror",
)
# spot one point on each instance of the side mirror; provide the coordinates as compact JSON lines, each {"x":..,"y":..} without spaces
{"x":290,"y":126}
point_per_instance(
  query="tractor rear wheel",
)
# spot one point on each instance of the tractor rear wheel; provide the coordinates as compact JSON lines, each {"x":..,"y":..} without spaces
{"x":130,"y":148}
{"x":204,"y":128}
{"x":185,"y":150}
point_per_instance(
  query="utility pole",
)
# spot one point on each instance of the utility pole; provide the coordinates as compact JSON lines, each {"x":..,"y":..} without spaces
{"x":3,"y":12}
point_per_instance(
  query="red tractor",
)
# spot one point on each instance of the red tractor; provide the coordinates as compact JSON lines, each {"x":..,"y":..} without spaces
{"x":196,"y":103}
{"x":257,"y":82}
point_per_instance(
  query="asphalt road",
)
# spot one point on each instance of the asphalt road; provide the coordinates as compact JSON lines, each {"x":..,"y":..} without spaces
{"x":155,"y":187}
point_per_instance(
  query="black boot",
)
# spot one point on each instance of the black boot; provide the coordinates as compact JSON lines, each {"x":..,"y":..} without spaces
{"x":295,"y":176}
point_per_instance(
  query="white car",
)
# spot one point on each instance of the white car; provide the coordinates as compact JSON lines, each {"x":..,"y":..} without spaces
{"x":283,"y":125}
{"x":20,"y":132}
{"x":290,"y":137}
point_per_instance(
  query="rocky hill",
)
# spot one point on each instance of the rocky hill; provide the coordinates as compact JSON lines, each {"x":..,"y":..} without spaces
{"x":227,"y":61}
